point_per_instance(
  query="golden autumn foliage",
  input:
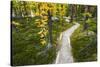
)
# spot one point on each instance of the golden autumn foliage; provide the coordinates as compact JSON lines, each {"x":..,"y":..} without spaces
{"x":42,"y":11}
{"x":42,"y":22}
{"x":15,"y":23}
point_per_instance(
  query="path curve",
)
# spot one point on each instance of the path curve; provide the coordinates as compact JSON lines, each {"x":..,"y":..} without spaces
{"x":64,"y":54}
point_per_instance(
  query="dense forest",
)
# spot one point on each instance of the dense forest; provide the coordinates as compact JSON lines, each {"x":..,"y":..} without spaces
{"x":37,"y":27}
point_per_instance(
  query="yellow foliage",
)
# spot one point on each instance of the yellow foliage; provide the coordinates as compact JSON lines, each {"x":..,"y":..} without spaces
{"x":40,"y":32}
{"x":45,"y":32}
{"x":45,"y":17}
{"x":43,"y":42}
{"x":16,"y":23}
{"x":41,"y":25}
{"x":37,"y":13}
{"x":42,"y":11}
{"x":41,"y":36}
{"x":37,"y":20}
{"x":44,"y":20}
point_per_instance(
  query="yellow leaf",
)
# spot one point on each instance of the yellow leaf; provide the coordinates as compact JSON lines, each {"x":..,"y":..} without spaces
{"x":41,"y":35}
{"x":37,"y":20}
{"x":16,"y":23}
{"x":43,"y":42}
{"x":37,"y":13}
{"x":45,"y":33}
{"x":40,"y":32}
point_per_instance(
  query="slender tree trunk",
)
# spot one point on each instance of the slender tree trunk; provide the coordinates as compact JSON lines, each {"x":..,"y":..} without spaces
{"x":76,"y":12}
{"x":85,"y":18}
{"x":50,"y":27}
{"x":25,"y":8}
{"x":71,"y":6}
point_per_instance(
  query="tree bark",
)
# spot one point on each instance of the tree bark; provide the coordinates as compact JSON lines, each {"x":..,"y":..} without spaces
{"x":50,"y":27}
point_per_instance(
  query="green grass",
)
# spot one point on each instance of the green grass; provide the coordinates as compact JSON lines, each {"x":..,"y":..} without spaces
{"x":84,"y":47}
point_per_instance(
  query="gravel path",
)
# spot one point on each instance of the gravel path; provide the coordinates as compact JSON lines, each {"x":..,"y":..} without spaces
{"x":64,"y":54}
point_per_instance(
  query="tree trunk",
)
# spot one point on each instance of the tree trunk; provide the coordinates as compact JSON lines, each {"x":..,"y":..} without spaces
{"x":50,"y":27}
{"x":71,"y":10}
{"x":86,"y":18}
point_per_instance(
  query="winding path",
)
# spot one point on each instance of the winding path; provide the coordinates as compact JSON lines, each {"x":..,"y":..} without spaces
{"x":64,"y":54}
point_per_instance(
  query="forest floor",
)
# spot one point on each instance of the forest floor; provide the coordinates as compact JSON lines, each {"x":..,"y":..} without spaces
{"x":65,"y":53}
